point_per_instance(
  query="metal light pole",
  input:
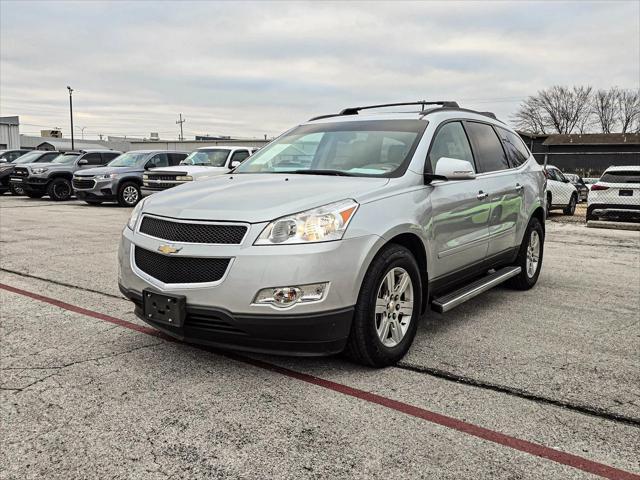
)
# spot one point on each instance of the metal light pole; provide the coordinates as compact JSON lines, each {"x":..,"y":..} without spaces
{"x":82,"y":132}
{"x":71,"y":114}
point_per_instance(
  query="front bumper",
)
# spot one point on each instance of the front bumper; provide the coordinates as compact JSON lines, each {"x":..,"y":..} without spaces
{"x":101,"y":190}
{"x":314,"y":328}
{"x":31,"y":184}
{"x":318,"y":334}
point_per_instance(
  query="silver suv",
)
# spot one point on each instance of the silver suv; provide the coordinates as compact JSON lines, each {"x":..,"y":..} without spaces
{"x":340,"y":234}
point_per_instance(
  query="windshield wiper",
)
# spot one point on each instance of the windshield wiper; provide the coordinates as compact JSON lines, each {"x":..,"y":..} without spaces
{"x":339,"y":173}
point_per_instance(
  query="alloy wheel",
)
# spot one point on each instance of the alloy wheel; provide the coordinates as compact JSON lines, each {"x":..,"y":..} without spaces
{"x":130,"y":195}
{"x":394,"y":306}
{"x":533,"y":254}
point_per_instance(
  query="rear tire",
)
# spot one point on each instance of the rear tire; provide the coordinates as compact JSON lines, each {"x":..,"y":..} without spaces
{"x":59,"y":189}
{"x":16,"y":189}
{"x":129,"y":194}
{"x":34,"y":194}
{"x":548,"y":205}
{"x":391,"y":290}
{"x":571,"y":208}
{"x":529,"y":257}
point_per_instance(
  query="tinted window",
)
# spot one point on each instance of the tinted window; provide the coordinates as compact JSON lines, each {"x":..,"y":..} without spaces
{"x":487,"y":148}
{"x":452,"y":142}
{"x":93,"y":158}
{"x":176,"y":158}
{"x":516,"y":149}
{"x":239,"y":155}
{"x":47,"y":157}
{"x":159,"y":160}
{"x":621,"y":176}
{"x":109,"y":156}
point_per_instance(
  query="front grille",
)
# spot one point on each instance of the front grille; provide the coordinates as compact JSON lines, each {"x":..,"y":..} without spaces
{"x":83,"y":183}
{"x":164,"y":177}
{"x":180,"y":269}
{"x":193,"y":232}
{"x":159,"y":186}
{"x":210,"y":323}
{"x":21,"y":172}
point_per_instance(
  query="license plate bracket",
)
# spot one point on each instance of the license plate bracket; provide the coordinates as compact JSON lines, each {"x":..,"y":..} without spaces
{"x":165,"y":309}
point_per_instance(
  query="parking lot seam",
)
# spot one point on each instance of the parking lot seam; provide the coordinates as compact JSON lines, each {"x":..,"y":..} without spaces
{"x":515,"y":392}
{"x":564,"y":458}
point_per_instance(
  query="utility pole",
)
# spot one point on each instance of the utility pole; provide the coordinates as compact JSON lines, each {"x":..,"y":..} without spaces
{"x":71,"y":114}
{"x":180,"y":122}
{"x":82,"y":132}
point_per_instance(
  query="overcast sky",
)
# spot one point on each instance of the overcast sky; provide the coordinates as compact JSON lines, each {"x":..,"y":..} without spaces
{"x":248,"y":69}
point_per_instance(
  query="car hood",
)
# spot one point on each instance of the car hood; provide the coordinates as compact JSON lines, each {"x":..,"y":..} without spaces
{"x":106,"y":170}
{"x":192,"y":169}
{"x":257,"y":198}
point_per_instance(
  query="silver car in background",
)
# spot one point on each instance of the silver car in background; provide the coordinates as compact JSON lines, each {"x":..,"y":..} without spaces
{"x":340,"y":234}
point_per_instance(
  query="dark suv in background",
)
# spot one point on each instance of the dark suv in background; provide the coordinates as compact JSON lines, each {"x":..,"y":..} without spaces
{"x":11,"y":155}
{"x":54,"y":178}
{"x":6,"y":169}
{"x":121,"y":179}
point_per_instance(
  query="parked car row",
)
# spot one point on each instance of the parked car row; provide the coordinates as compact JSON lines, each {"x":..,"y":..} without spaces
{"x":98,"y":176}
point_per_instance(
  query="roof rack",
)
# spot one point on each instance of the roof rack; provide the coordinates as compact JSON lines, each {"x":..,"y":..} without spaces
{"x":356,"y":110}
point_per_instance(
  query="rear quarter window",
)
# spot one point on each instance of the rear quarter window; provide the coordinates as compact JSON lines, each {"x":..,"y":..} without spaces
{"x":517,"y":151}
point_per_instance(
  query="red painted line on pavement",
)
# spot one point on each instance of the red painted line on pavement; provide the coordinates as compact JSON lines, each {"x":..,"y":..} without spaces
{"x":525,"y":446}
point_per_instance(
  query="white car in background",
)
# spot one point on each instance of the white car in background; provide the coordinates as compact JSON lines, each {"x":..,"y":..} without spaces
{"x":616,"y":195}
{"x":203,"y":163}
{"x":561,"y":194}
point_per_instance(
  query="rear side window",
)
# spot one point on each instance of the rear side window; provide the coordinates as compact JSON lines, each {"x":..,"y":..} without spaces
{"x":239,"y":155}
{"x":451,"y":142}
{"x":487,"y":148}
{"x":93,"y":158}
{"x":516,"y":149}
{"x":176,"y":158}
{"x":621,"y":176}
{"x":107,"y":157}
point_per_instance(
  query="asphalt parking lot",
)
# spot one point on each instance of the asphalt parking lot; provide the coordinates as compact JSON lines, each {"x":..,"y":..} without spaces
{"x":536,"y":384}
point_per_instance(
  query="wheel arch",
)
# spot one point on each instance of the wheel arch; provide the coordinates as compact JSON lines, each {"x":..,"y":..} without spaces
{"x":66,"y":175}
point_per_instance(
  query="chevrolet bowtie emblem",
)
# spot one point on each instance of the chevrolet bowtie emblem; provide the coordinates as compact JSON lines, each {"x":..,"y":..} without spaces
{"x":168,"y":249}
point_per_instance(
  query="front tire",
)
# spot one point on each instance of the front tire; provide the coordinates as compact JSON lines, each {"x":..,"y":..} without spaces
{"x":571,"y":208}
{"x":529,"y":257}
{"x":129,"y":194}
{"x":59,"y":189}
{"x":16,"y":189}
{"x":388,"y":309}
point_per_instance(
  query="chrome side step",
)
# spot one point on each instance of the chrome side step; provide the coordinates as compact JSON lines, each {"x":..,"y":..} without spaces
{"x":453,"y":299}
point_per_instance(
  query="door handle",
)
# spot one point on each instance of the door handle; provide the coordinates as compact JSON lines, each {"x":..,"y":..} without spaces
{"x":519,"y":187}
{"x":481,"y":195}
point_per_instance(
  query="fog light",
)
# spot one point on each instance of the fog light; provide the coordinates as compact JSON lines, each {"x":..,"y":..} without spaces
{"x":288,"y":296}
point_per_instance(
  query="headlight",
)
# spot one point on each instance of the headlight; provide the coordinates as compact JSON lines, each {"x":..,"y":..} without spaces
{"x":145,"y":176}
{"x":321,"y":224}
{"x":184,"y":178}
{"x":106,"y":176}
{"x":38,"y":171}
{"x":135,"y":215}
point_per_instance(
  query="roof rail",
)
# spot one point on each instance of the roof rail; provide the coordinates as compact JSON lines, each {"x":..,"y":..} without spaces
{"x":355,"y":110}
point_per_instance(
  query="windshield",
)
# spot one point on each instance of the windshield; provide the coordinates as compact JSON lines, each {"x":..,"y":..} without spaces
{"x":129,"y":159}
{"x":621,"y":176}
{"x":27,"y":158}
{"x":208,"y":158}
{"x":572,"y":177}
{"x":368,"y":148}
{"x":65,"y":158}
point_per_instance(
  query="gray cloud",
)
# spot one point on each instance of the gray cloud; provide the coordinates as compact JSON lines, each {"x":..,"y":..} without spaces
{"x":246,"y":68}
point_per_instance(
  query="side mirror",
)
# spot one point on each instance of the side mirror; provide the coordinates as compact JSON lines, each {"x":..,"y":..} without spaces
{"x":235,"y":164}
{"x":83,"y":162}
{"x":454,"y":169}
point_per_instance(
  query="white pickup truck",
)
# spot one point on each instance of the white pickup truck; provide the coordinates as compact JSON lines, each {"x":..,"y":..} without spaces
{"x":203,"y":163}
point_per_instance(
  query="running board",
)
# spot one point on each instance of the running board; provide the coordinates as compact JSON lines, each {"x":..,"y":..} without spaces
{"x":453,"y":299}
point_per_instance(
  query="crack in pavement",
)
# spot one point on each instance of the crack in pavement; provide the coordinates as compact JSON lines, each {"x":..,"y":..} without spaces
{"x":516,"y":392}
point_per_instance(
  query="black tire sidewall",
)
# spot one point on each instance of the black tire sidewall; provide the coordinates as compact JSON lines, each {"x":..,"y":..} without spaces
{"x":534,"y":224}
{"x":51,"y":189}
{"x":393,"y":256}
{"x":121,"y":188}
{"x":14,"y":190}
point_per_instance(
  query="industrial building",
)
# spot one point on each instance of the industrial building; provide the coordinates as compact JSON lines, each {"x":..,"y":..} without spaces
{"x":9,"y":133}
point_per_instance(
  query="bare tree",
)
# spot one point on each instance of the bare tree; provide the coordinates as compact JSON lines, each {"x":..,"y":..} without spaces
{"x":559,"y":108}
{"x":605,"y":106}
{"x":628,"y":110}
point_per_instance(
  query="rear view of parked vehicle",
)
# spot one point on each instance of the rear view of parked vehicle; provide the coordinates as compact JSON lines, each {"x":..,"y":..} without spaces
{"x":581,"y":187}
{"x":340,"y":234}
{"x":616,"y":196}
{"x":203,"y":163}
{"x":54,"y":178}
{"x":561,"y":194}
{"x":6,"y":169}
{"x":121,"y":180}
